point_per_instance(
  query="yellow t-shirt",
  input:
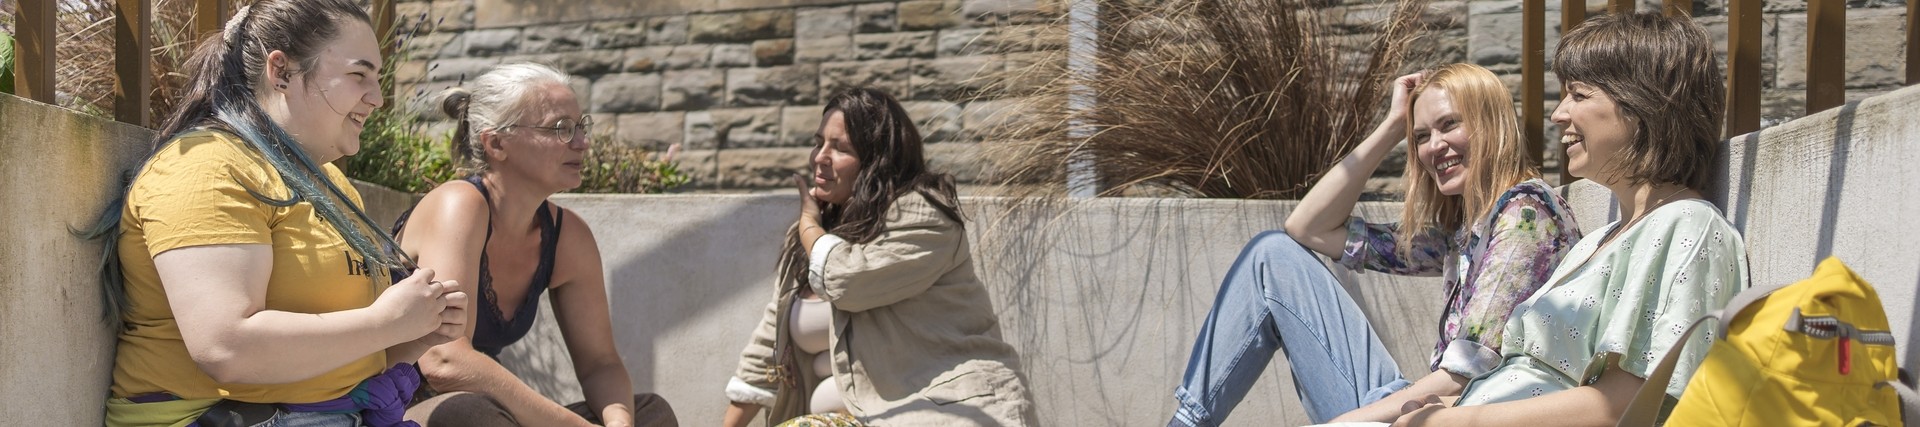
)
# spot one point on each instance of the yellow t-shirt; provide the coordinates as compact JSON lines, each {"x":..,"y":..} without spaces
{"x":194,"y":193}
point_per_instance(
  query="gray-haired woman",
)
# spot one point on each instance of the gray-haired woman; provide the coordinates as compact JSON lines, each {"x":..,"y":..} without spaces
{"x":522,"y":138}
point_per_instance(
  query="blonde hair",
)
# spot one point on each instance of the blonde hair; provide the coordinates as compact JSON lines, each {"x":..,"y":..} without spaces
{"x":1496,"y":157}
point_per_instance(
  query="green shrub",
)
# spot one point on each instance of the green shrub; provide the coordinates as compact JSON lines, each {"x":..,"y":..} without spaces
{"x":396,"y":152}
{"x":6,"y":63}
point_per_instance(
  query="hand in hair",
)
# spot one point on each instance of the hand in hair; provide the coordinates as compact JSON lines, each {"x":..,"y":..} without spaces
{"x":1403,"y":86}
{"x":435,"y":310}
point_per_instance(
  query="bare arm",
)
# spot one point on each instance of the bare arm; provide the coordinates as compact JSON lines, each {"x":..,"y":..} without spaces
{"x":1600,"y":405}
{"x":739,"y":414}
{"x":218,"y":295}
{"x":1319,"y":221}
{"x":1437,"y":383}
{"x":446,"y":234}
{"x":580,"y":305}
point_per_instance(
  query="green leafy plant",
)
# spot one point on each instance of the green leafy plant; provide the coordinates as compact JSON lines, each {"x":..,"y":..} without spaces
{"x":6,"y":63}
{"x":396,"y":153}
{"x":396,"y":150}
{"x":614,"y":168}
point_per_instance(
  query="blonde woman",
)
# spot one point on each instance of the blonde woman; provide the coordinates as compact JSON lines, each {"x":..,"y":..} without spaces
{"x":1477,"y":214}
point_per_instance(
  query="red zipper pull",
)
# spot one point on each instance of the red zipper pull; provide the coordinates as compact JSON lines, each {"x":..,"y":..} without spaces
{"x":1846,"y":356}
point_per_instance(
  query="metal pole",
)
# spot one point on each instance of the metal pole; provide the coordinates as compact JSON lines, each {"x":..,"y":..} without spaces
{"x":1083,"y":46}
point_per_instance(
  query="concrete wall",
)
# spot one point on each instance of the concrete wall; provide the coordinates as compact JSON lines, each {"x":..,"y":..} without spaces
{"x":1103,"y":297}
{"x":60,"y":168}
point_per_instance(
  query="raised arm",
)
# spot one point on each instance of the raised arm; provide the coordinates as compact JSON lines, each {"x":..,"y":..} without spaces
{"x":1320,"y":220}
{"x":919,"y":244}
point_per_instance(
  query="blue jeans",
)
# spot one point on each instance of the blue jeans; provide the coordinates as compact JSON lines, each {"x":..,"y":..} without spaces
{"x":1279,"y":297}
{"x":311,"y":419}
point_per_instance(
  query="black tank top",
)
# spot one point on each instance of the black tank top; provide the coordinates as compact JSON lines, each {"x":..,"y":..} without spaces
{"x":493,"y":332}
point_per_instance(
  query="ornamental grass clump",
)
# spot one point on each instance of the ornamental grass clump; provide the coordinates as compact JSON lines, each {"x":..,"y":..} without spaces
{"x":1201,"y":98}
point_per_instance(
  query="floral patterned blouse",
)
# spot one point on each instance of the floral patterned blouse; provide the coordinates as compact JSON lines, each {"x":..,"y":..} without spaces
{"x":1508,"y":254}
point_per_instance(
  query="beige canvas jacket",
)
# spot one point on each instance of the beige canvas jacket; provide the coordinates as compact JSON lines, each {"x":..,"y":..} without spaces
{"x":914,"y":340}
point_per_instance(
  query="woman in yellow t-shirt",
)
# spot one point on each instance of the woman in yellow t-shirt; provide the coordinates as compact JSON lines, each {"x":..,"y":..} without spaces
{"x":251,"y":287}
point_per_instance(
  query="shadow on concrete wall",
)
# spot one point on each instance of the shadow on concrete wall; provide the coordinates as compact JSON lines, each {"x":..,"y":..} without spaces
{"x":1104,"y":297}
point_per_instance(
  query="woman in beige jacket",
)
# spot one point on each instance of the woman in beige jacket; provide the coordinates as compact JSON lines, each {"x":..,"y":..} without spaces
{"x":879,"y":318}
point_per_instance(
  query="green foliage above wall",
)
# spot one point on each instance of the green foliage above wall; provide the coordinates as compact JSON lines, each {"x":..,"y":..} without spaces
{"x":6,"y":63}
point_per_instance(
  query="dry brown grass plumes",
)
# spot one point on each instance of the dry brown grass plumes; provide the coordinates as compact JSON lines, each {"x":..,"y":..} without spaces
{"x":1207,"y":98}
{"x":84,"y":57}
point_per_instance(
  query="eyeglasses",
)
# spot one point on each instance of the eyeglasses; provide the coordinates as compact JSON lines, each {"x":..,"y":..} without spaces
{"x":570,"y":128}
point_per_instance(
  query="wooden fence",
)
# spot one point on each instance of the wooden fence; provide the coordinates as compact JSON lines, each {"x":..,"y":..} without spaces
{"x":1826,"y":59}
{"x":133,"y":47}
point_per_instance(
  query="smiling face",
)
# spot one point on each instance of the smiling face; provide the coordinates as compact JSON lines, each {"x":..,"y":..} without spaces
{"x":1593,"y":130}
{"x":1440,"y":140}
{"x":326,"y":106}
{"x":835,"y":163}
{"x":541,"y":147}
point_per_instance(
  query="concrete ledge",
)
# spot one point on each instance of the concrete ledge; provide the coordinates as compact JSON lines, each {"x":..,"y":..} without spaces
{"x":56,"y":353}
{"x":1101,"y":296}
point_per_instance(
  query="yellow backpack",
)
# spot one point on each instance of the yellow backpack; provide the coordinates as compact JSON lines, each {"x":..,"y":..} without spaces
{"x":1813,"y":353}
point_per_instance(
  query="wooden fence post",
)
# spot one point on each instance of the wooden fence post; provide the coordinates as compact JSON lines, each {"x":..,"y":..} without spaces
{"x":33,"y":61}
{"x":1826,"y":54}
{"x":209,"y":16}
{"x":1913,"y":42}
{"x":132,"y":61}
{"x":1677,"y":7}
{"x":1621,"y":6}
{"x":1743,"y":67}
{"x":1533,"y":75}
{"x":383,"y":19}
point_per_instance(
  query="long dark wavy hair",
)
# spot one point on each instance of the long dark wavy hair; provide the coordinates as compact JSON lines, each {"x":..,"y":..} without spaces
{"x":892,"y":165}
{"x":225,"y":71}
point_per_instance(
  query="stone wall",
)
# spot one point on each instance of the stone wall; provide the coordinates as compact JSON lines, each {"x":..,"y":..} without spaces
{"x":739,"y":83}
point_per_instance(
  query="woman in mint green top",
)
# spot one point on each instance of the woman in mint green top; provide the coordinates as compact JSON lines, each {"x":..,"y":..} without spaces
{"x":1623,"y":307}
{"x":1642,"y":102}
